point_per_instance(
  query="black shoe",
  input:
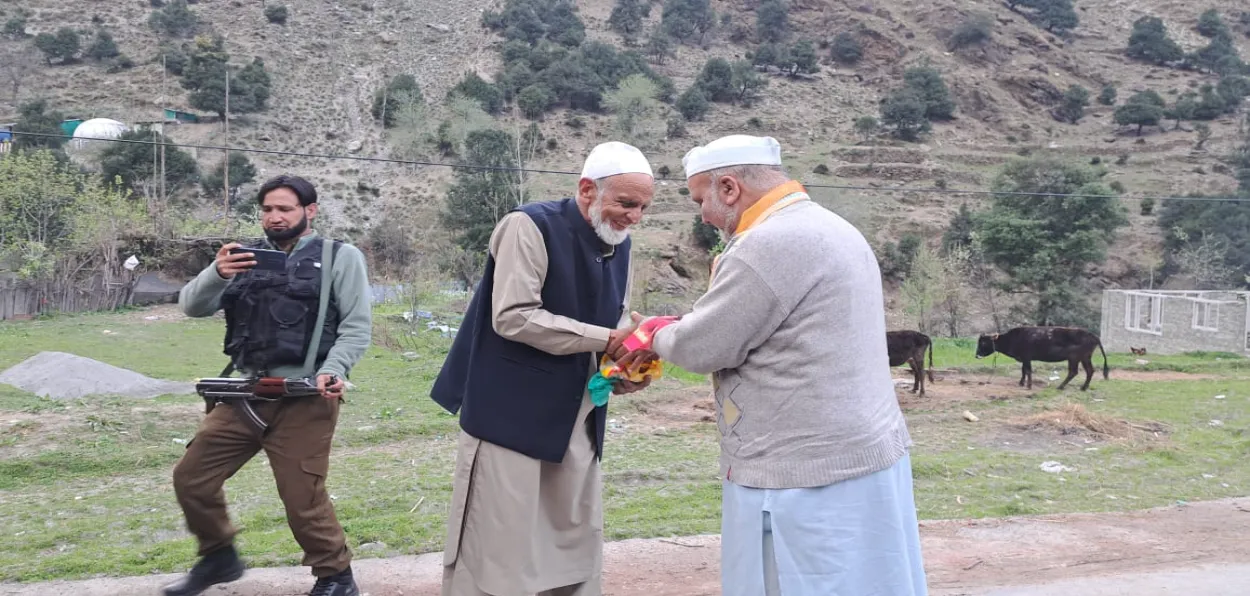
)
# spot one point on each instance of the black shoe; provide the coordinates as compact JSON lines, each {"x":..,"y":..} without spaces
{"x":339,"y":584}
{"x":217,"y":567}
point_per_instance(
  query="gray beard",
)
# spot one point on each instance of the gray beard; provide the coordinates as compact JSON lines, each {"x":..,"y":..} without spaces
{"x":727,"y":215}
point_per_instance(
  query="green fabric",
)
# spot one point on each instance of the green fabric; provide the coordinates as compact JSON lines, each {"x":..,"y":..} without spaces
{"x":327,"y":267}
{"x":202,"y":298}
{"x":600,"y":387}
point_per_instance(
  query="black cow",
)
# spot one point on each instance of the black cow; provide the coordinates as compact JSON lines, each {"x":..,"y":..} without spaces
{"x":909,"y":347}
{"x":1047,"y":344}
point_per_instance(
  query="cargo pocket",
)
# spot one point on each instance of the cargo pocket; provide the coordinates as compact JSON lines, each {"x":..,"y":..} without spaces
{"x":287,"y":312}
{"x":317,"y":468}
{"x":305,"y":280}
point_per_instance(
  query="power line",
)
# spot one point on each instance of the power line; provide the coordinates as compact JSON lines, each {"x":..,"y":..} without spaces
{"x":934,"y":190}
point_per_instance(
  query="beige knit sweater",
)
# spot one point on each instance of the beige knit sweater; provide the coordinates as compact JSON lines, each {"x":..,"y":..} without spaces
{"x":793,"y":330}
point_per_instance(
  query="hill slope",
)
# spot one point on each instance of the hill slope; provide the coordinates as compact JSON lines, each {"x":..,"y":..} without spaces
{"x":329,"y":58}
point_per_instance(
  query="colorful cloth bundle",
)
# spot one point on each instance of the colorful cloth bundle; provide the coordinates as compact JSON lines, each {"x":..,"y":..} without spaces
{"x":601,"y":383}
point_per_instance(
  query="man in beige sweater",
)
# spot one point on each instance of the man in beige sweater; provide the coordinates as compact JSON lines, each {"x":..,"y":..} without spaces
{"x":817,"y":491}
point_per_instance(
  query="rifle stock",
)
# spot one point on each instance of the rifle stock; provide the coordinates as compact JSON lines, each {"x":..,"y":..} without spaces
{"x":241,"y":391}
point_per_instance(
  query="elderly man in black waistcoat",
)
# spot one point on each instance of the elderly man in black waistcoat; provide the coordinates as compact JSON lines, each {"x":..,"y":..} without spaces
{"x":526,"y":514}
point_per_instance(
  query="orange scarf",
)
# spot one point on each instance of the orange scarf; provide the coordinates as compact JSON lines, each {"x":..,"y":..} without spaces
{"x":777,"y":199}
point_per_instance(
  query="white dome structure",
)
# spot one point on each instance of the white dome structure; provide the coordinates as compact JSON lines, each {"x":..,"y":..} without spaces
{"x":97,"y":128}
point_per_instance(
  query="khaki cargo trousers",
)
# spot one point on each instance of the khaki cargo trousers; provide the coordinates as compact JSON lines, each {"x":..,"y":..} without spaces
{"x":298,"y":447}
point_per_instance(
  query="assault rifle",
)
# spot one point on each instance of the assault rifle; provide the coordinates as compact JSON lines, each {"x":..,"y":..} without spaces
{"x":241,"y":391}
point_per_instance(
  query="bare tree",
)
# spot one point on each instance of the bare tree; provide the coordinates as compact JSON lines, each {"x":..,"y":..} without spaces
{"x":981,"y":274}
{"x":15,"y":67}
{"x":411,"y":128}
{"x":922,"y":288}
{"x":1204,"y":261}
{"x":956,"y":267}
{"x":526,"y":144}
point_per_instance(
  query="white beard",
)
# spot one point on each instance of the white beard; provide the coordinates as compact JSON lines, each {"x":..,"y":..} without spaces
{"x":603,"y":228}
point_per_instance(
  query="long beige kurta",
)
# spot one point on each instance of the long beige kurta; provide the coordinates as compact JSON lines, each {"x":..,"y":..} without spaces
{"x":519,"y":526}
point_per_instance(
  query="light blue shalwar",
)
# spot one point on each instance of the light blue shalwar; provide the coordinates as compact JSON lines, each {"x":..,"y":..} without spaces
{"x":859,"y":537}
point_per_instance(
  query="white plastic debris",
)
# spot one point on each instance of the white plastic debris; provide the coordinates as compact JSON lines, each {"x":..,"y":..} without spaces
{"x":1215,"y":423}
{"x":1219,"y":397}
{"x":1055,"y":467}
{"x":131,"y":263}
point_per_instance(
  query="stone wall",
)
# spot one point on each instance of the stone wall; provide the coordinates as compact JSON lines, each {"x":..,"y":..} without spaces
{"x":1178,"y":332}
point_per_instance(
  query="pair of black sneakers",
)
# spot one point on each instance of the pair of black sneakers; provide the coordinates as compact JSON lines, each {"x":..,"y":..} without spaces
{"x":221,"y":566}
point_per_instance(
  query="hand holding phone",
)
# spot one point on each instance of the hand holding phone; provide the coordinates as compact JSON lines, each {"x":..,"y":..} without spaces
{"x":231,"y":260}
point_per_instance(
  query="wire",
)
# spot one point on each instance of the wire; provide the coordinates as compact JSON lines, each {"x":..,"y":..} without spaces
{"x":933,"y":190}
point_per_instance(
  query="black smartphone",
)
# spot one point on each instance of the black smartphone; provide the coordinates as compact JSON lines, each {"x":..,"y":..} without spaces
{"x":266,"y":260}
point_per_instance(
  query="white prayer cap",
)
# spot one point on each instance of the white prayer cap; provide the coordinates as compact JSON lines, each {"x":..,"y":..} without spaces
{"x":615,"y":157}
{"x":733,"y":150}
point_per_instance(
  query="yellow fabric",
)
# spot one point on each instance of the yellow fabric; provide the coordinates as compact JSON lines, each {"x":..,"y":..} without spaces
{"x":653,"y":369}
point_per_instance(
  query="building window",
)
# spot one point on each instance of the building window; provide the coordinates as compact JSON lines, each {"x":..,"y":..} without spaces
{"x":1206,"y":315}
{"x":1144,"y":313}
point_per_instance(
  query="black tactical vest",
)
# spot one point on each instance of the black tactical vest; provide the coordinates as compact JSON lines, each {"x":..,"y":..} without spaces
{"x":270,"y":315}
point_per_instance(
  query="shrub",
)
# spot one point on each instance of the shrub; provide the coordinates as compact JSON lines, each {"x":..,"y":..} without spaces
{"x":174,"y":20}
{"x":475,"y":87}
{"x":534,"y":101}
{"x":103,"y":47}
{"x":1107,"y":96}
{"x":705,"y":236}
{"x":974,"y":29}
{"x":693,"y":104}
{"x":387,"y":101}
{"x":676,"y":128}
{"x":846,"y":48}
{"x":276,"y":13}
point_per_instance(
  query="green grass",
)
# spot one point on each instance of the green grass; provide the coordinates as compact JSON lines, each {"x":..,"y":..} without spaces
{"x":85,"y":484}
{"x":954,"y":458}
{"x":960,"y":354}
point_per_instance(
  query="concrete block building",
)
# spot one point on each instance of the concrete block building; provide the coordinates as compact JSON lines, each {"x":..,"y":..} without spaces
{"x":1171,"y":322}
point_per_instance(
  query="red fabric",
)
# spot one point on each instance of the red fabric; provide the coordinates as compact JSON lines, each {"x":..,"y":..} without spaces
{"x":641,"y":338}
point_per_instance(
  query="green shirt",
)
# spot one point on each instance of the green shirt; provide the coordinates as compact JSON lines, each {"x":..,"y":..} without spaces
{"x":350,"y":284}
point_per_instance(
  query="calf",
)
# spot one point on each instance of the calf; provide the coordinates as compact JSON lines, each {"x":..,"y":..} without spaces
{"x":910,"y":347}
{"x":1047,"y":344}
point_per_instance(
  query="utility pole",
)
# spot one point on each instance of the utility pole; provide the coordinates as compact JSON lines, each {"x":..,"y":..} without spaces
{"x":164,"y":101}
{"x":225,"y":180}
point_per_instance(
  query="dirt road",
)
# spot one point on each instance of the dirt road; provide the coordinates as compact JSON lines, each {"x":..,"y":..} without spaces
{"x":1199,"y":548}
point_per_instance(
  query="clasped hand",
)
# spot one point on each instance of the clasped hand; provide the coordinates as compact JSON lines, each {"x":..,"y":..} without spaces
{"x":629,"y":359}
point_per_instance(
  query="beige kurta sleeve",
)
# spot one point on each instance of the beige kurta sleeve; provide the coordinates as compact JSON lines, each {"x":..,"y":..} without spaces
{"x":516,"y":304}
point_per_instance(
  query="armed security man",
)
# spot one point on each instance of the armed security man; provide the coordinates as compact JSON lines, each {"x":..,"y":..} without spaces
{"x":271,"y":322}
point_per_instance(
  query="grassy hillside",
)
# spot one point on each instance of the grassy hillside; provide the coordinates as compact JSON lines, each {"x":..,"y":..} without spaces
{"x":327,"y":60}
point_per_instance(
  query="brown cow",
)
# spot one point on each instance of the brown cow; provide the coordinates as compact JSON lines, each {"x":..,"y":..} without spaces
{"x":1047,"y":344}
{"x":910,"y":347}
